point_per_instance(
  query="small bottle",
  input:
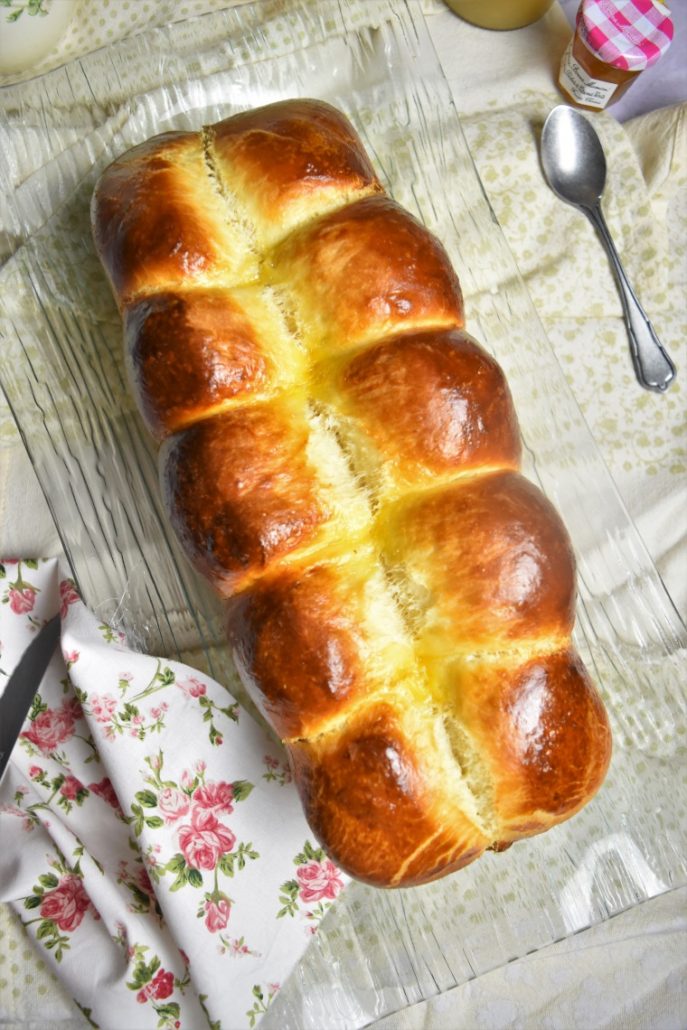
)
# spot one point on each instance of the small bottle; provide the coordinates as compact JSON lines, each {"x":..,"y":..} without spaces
{"x":614,"y":41}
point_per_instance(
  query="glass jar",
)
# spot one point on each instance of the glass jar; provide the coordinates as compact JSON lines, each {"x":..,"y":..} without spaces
{"x":613,"y":43}
{"x":500,"y":14}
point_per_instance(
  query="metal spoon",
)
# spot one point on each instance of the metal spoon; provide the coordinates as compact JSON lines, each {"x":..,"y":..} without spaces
{"x":575,"y":166}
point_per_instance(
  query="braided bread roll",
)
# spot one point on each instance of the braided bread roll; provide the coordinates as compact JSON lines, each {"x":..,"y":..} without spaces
{"x":340,"y":459}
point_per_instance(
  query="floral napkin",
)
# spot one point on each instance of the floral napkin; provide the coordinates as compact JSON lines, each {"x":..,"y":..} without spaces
{"x":153,"y":844}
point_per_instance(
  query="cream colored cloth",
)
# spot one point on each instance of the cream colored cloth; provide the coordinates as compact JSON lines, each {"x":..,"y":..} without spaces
{"x":503,"y":85}
{"x":614,"y":976}
{"x":98,"y":23}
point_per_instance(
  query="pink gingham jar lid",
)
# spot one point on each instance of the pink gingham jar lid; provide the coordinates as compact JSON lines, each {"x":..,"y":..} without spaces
{"x":627,"y":34}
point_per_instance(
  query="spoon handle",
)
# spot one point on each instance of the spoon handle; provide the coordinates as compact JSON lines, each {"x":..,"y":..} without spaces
{"x":653,"y":367}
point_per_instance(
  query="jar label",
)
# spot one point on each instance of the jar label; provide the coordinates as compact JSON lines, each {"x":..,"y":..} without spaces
{"x":581,"y":86}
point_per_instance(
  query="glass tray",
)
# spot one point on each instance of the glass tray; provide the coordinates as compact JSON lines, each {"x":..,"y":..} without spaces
{"x":62,"y":374}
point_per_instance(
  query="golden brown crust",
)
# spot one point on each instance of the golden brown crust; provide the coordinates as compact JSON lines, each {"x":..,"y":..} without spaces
{"x":297,"y":640}
{"x":316,"y":640}
{"x":189,"y":352}
{"x":341,"y":460}
{"x":287,"y":155}
{"x":364,"y":271}
{"x":369,"y":795}
{"x":155,"y":228}
{"x":541,"y":732}
{"x":434,"y":402}
{"x":241,"y":493}
{"x":493,"y":559}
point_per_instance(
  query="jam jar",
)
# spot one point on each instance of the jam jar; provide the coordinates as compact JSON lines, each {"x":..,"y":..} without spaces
{"x":613,"y":43}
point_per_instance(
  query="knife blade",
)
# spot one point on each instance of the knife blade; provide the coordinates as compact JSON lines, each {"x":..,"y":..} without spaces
{"x":22,"y":686}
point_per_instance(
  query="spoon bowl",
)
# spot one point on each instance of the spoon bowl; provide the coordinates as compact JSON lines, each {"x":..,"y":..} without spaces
{"x":574,"y":164}
{"x":573,"y":158}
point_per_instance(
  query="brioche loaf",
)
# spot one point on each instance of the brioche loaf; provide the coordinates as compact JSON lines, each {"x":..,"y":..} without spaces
{"x":340,"y":459}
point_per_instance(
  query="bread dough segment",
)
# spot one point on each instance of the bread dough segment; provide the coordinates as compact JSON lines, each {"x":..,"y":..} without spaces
{"x":287,"y":164}
{"x":162,"y":225}
{"x":428,"y":403}
{"x":490,"y":560}
{"x":317,"y":642}
{"x":387,"y":798}
{"x":193,"y":354}
{"x":365,"y":271}
{"x":539,"y":730}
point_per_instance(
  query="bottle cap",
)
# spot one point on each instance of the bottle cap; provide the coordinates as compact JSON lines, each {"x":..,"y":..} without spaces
{"x":627,"y":34}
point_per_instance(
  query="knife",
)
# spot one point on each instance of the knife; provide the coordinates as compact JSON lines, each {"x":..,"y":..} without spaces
{"x":22,"y":686}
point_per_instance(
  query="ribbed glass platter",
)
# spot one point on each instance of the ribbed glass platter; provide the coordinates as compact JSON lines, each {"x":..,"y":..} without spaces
{"x":63,"y":376}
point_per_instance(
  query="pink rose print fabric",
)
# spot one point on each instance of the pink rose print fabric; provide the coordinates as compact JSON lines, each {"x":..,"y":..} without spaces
{"x":316,"y":885}
{"x":53,"y":726}
{"x":205,"y":841}
{"x":318,"y":880}
{"x":66,"y":904}
{"x":149,"y":826}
